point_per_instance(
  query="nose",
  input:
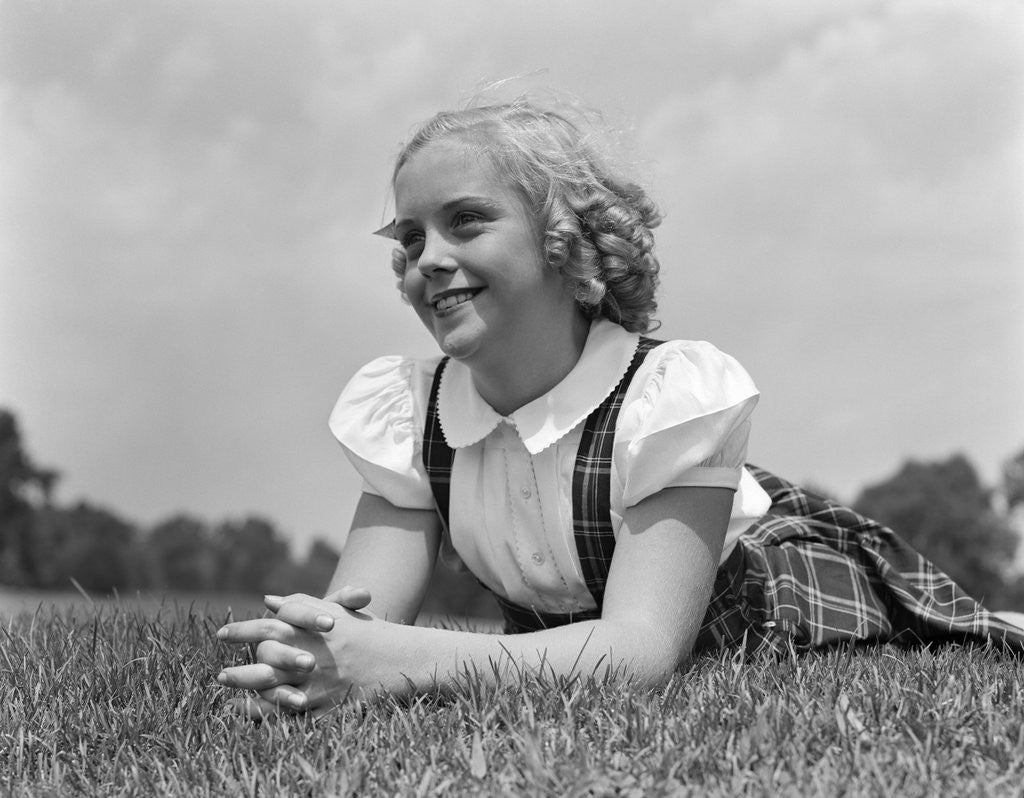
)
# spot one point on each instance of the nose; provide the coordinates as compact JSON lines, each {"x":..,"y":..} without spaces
{"x":436,"y":256}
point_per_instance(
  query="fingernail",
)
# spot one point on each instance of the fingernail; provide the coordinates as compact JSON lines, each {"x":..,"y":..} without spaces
{"x":297,"y":701}
{"x":222,"y":678}
{"x":305,"y":661}
{"x":325,"y":622}
{"x":269,"y":597}
{"x":222,"y":633}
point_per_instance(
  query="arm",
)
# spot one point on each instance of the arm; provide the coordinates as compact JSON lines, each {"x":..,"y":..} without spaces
{"x":658,"y":587}
{"x":390,"y":551}
{"x":664,"y":566}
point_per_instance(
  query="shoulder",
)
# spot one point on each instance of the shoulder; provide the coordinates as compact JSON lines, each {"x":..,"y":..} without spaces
{"x":688,"y":379}
{"x":684,"y":421}
{"x":378,"y":420}
{"x":392,"y":373}
{"x":388,"y":393}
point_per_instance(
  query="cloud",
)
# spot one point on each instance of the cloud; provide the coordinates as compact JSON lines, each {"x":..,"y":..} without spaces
{"x":882,"y":130}
{"x":189,"y":188}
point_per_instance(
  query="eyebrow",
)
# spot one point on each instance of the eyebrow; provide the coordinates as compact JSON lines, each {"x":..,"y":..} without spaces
{"x":401,"y":225}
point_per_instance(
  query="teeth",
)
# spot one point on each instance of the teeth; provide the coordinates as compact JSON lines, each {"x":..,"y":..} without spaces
{"x":451,"y":301}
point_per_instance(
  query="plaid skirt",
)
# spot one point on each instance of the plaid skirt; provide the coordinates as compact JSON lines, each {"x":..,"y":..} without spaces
{"x":814,"y":573}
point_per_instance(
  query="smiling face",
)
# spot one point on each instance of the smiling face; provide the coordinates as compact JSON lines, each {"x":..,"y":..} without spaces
{"x":475,"y":271}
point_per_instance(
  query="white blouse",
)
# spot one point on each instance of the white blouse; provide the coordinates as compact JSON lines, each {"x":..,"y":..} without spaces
{"x":684,"y":422}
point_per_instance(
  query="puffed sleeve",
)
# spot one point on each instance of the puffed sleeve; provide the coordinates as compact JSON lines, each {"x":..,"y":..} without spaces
{"x":684,"y":421}
{"x":378,"y":420}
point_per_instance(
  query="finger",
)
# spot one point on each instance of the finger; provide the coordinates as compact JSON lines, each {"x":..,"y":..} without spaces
{"x":256,"y":630}
{"x":286,"y":658}
{"x":297,"y":597}
{"x":257,"y":676}
{"x":287,"y":697}
{"x":351,"y":598}
{"x":273,"y":603}
{"x":308,"y":616}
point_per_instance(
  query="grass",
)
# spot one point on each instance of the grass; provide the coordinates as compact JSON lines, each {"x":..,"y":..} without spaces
{"x":120,"y":700}
{"x":17,"y":600}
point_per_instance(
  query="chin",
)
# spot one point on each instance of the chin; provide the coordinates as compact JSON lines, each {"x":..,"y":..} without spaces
{"x":459,"y":350}
{"x":459,"y":344}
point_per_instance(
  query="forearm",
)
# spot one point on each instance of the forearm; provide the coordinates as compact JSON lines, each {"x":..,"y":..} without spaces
{"x":391,"y":597}
{"x":427,"y":658}
{"x":390,"y":552}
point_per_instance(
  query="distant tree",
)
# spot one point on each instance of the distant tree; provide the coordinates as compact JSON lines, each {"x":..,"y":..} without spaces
{"x":45,"y":482}
{"x":182,"y":554}
{"x":17,"y":565}
{"x":1013,"y":595}
{"x":249,"y":554}
{"x":312,"y":575}
{"x":943,"y":510}
{"x":94,"y":546}
{"x":1013,"y":480}
{"x":316,"y":571}
{"x":15,"y":469}
{"x":19,"y":479}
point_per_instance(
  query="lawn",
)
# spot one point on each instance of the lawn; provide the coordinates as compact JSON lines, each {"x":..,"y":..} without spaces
{"x":119,"y":699}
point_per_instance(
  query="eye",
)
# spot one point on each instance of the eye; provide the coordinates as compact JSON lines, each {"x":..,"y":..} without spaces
{"x":462,"y":218}
{"x":412,"y":243}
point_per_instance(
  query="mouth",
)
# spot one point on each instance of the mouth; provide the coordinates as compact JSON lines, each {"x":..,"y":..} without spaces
{"x":452,"y":299}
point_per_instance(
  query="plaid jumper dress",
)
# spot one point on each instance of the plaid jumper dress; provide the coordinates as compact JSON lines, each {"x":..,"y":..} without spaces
{"x":810,"y":573}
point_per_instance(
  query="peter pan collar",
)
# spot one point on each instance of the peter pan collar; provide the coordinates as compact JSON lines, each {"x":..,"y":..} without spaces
{"x":466,"y":418}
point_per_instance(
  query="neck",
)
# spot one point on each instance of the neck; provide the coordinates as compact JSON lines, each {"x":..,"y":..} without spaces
{"x":511,"y":382}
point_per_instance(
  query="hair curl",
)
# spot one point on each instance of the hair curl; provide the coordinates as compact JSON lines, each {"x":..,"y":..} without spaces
{"x":598,"y":227}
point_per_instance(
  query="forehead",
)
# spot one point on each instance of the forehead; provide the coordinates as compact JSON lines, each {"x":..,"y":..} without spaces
{"x":444,"y":171}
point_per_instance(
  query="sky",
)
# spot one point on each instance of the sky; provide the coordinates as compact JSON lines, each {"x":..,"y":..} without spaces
{"x":188,"y":190}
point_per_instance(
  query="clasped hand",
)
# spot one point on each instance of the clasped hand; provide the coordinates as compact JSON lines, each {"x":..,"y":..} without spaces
{"x":305,"y":654}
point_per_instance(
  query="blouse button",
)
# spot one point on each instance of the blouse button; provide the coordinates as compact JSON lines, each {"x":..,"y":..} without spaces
{"x":537,"y":558}
{"x":525,"y":493}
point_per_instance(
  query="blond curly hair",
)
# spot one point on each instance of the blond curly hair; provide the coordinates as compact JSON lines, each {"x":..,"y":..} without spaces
{"x":598,"y":226}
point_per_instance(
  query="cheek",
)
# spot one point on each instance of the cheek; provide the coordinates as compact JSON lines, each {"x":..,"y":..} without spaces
{"x":409,"y":278}
{"x":412,"y":285}
{"x":411,"y":281}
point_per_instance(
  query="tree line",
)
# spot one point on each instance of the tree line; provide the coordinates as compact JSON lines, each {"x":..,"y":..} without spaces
{"x":45,"y":545}
{"x":942,"y":508}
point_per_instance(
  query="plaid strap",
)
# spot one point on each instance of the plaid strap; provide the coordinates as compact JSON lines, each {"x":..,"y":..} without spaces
{"x":591,"y":482}
{"x":438,"y":456}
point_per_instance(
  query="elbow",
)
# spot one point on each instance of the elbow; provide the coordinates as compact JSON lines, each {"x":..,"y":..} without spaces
{"x":649,"y":656}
